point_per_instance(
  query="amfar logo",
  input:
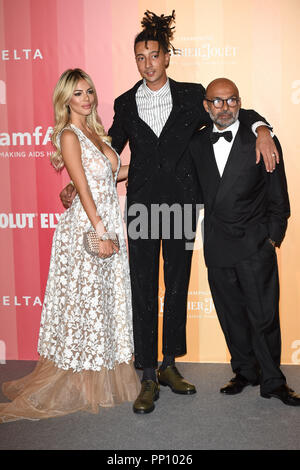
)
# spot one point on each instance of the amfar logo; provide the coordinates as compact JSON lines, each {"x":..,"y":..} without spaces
{"x":37,"y":137}
{"x":2,"y":352}
{"x":296,"y":354}
{"x":2,"y":92}
{"x":296,"y":94}
{"x":21,"y":54}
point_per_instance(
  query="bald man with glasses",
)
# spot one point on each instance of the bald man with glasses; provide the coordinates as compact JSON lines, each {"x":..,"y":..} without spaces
{"x":246,"y":212}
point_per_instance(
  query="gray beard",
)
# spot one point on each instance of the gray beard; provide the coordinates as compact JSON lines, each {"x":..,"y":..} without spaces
{"x":220,"y":123}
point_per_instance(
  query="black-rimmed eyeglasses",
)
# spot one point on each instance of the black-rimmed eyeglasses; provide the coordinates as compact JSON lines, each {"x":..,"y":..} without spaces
{"x":219,"y":102}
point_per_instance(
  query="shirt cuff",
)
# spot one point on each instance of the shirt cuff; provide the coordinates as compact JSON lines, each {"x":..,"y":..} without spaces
{"x":260,"y":123}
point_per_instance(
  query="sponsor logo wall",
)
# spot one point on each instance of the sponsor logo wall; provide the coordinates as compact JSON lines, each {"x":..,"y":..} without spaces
{"x":39,"y":39}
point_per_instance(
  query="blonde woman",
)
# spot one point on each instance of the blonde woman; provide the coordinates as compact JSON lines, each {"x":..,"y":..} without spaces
{"x":85,"y":340}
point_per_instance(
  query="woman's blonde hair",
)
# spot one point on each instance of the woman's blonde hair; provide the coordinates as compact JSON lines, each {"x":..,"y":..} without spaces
{"x":61,"y":97}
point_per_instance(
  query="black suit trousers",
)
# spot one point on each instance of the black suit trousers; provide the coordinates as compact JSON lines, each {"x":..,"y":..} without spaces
{"x":246,"y":299}
{"x":144,"y":259}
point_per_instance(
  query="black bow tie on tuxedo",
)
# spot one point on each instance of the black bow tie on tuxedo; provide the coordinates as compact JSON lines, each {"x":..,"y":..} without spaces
{"x":214,"y":136}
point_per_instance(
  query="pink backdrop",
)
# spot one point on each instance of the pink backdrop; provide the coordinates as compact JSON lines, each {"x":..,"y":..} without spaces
{"x":39,"y":40}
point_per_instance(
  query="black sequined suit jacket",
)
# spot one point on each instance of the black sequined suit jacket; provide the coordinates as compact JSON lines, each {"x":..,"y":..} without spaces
{"x":153,"y":158}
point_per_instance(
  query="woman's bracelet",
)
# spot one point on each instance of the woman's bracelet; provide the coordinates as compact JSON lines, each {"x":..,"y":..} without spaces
{"x":108,"y":236}
{"x":100,"y":229}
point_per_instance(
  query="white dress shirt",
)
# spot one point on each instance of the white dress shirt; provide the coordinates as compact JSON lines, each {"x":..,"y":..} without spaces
{"x":222,"y":147}
{"x":154,"y":107}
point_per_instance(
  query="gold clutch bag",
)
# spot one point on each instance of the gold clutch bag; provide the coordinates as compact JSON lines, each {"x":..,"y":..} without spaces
{"x":91,"y":241}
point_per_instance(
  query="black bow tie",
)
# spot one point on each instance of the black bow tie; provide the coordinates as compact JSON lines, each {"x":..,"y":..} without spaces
{"x":214,"y":136}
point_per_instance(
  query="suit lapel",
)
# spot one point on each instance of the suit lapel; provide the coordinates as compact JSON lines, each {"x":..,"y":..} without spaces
{"x":208,"y":170}
{"x":236,"y":161}
{"x":176,"y":108}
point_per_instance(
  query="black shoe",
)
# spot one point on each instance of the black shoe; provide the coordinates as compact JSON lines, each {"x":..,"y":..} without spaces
{"x":148,"y":395}
{"x":237,"y":385}
{"x":285,"y":394}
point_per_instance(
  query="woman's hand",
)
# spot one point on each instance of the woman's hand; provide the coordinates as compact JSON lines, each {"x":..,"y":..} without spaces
{"x":107,"y":248}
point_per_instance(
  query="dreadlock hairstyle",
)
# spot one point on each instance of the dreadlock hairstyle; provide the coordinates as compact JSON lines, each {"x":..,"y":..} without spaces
{"x":157,"y":28}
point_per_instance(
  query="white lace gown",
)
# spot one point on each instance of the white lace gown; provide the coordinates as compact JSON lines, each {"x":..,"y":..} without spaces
{"x":85,"y":340}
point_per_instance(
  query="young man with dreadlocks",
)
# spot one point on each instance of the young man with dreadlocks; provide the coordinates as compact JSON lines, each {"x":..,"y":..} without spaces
{"x":158,"y":117}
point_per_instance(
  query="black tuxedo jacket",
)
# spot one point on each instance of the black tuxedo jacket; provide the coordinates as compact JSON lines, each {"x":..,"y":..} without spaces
{"x":158,"y":168}
{"x":244,"y":207}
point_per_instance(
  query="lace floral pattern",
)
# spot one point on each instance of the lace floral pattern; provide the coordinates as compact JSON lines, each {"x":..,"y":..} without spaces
{"x":86,"y":321}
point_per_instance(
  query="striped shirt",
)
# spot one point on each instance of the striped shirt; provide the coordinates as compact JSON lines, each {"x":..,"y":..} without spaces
{"x":154,"y":107}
